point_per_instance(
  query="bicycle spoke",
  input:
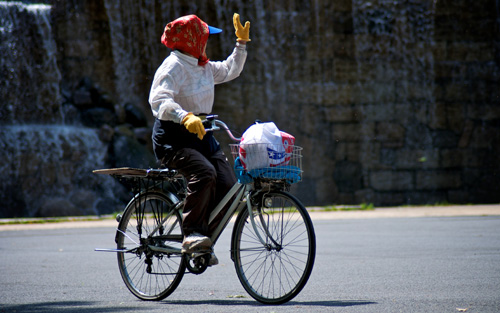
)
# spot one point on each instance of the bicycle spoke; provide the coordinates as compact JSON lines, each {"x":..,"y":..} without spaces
{"x":276,"y":271}
{"x":150,"y":274}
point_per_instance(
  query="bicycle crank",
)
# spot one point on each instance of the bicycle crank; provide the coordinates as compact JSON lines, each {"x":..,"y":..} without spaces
{"x":197,"y":262}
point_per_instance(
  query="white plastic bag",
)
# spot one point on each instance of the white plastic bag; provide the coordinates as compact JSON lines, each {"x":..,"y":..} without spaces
{"x":264,"y":145}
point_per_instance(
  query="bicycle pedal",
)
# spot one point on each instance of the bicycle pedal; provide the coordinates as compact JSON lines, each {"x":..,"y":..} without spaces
{"x":200,"y":252}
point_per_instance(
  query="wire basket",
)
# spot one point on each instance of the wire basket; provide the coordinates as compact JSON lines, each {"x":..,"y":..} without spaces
{"x":267,"y":162}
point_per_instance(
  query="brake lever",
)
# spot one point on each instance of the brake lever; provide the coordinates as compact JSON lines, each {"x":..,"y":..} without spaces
{"x":209,"y":123}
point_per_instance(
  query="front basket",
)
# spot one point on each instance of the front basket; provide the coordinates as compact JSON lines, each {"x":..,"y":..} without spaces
{"x":267,"y":162}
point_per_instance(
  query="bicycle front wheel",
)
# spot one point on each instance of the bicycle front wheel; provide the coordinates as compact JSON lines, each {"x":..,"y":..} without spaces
{"x":151,"y":234}
{"x":274,"y":268}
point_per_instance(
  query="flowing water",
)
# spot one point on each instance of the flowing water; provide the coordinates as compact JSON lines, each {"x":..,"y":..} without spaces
{"x":355,"y":80}
{"x":30,"y":76}
{"x":43,"y":158}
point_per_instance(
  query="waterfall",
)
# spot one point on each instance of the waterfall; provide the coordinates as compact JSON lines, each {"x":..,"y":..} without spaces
{"x":393,"y":41}
{"x":396,"y":98}
{"x":30,"y":80}
{"x":46,"y":165}
{"x":131,"y":31}
{"x":393,"y":46}
{"x":46,"y":162}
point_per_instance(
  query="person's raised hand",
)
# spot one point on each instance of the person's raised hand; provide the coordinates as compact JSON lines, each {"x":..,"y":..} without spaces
{"x":242,"y":32}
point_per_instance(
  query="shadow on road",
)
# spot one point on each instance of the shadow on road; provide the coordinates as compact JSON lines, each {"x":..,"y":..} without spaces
{"x":65,"y":306}
{"x":92,"y":307}
{"x":251,"y":302}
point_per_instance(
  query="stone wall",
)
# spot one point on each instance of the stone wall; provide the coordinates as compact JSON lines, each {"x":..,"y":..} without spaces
{"x":398,"y":102}
{"x":394,"y":102}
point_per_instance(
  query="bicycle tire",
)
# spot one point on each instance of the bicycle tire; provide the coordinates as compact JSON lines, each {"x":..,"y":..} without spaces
{"x":274,"y":275}
{"x":150,"y":275}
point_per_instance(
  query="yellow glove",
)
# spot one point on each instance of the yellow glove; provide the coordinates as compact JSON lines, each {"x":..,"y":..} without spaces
{"x":194,"y":125}
{"x":243,"y":33}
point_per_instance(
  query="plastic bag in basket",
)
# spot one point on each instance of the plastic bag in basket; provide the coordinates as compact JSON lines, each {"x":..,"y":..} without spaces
{"x":264,"y":145}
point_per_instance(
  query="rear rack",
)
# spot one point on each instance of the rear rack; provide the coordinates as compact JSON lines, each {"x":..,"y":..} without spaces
{"x":139,"y":180}
{"x":129,"y":172}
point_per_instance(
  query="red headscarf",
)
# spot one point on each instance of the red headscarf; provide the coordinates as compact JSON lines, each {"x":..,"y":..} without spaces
{"x":188,"y":34}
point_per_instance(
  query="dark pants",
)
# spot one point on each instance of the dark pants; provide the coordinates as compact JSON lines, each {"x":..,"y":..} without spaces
{"x":208,"y":173}
{"x":208,"y":181}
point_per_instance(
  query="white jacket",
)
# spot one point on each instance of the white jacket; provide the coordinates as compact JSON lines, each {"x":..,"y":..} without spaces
{"x":180,"y":85}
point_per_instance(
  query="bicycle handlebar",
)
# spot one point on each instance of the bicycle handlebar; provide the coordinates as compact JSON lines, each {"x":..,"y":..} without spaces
{"x":213,"y":124}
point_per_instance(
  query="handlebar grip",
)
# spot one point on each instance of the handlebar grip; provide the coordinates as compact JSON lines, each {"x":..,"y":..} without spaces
{"x":207,"y":124}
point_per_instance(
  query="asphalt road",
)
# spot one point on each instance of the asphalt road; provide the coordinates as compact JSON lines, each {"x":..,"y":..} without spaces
{"x":418,"y":264}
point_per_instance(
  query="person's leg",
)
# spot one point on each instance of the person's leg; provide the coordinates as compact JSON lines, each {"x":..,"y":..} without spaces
{"x":225,"y":181}
{"x":201,"y":184}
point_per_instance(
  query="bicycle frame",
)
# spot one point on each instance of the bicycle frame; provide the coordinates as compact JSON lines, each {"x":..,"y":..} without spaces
{"x":241,"y":190}
{"x":272,"y":244}
{"x":239,"y":193}
{"x":237,"y":190}
{"x":243,"y":194}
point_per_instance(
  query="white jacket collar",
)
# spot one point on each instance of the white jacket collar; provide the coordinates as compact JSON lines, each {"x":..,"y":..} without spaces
{"x":187,"y":58}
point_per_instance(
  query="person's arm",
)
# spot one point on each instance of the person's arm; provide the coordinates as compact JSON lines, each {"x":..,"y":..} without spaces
{"x":161,"y":96}
{"x":230,"y":68}
{"x":233,"y":65}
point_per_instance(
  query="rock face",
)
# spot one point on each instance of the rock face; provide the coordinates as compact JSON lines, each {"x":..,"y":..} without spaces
{"x":394,"y":102}
{"x":55,"y":131}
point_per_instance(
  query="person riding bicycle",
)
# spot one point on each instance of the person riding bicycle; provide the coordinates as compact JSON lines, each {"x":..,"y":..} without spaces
{"x":182,"y":89}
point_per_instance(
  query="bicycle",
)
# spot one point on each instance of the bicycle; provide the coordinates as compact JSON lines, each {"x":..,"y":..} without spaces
{"x":273,"y":243}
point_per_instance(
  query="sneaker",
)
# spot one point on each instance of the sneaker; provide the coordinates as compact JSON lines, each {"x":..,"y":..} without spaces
{"x":195,"y":241}
{"x":213,"y":260}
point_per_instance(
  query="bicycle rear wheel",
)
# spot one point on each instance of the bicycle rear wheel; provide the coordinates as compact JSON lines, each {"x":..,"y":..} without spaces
{"x":276,"y":271}
{"x":151,"y":233}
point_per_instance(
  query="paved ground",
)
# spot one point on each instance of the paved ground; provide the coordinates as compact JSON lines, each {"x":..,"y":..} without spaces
{"x":394,"y":212}
{"x":448,"y":260}
{"x":417,"y":211}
